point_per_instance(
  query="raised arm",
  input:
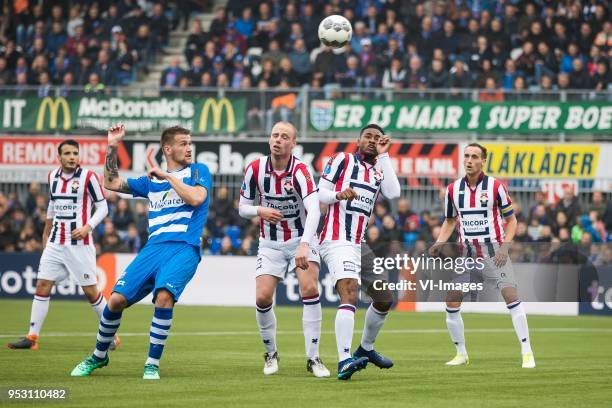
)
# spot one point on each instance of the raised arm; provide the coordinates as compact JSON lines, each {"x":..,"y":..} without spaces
{"x":112,"y":180}
{"x":390,"y":185}
{"x":193,"y":195}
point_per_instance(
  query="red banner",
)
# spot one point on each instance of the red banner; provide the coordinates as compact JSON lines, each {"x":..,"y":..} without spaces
{"x":412,"y":159}
{"x":42,"y":151}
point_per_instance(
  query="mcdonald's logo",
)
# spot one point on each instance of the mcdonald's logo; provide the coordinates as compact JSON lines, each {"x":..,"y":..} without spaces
{"x":217,"y":107}
{"x":53,"y":106}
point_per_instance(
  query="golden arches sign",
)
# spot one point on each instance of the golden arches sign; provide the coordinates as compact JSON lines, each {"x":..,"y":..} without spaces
{"x":53,"y":107}
{"x":217,"y":107}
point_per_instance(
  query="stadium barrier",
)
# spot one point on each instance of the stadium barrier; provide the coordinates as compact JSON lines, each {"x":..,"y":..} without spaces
{"x":330,"y":111}
{"x":229,"y":281}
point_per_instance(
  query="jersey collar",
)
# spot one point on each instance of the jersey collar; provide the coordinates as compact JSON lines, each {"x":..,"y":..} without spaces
{"x":76,"y":173}
{"x":286,"y":172}
{"x":480,"y":178}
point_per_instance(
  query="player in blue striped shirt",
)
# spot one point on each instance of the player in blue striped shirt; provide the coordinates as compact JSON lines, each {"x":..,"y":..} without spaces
{"x":178,"y":207}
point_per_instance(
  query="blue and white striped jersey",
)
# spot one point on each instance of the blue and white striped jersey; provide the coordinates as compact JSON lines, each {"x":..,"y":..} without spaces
{"x":170,"y":218}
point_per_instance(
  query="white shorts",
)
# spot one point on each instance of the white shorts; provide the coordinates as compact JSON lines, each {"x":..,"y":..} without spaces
{"x":493,"y":277}
{"x":343,"y":259}
{"x":498,"y":277}
{"x":278,"y":258}
{"x":59,"y":262}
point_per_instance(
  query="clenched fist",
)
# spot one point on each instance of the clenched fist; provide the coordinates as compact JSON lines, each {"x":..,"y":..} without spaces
{"x":348,"y":194}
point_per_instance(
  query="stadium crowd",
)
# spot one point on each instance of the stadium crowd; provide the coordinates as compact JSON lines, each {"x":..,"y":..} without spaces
{"x":22,"y":221}
{"x":492,"y":45}
{"x":88,"y":44}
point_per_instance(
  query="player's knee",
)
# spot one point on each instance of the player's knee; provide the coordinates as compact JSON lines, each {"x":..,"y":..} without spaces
{"x":348,"y":289}
{"x":309,"y":289}
{"x":263,"y":300}
{"x":117,"y":302}
{"x":43,"y":287}
{"x":91,"y":292}
{"x":453,"y":305}
{"x":163,"y":298}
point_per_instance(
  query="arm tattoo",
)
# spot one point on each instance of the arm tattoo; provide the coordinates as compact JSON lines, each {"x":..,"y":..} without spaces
{"x":111,"y":169}
{"x":124,"y":187}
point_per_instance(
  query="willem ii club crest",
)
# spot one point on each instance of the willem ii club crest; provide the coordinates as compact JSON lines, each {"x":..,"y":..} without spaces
{"x":288,"y":186}
{"x":74,"y":186}
{"x":484,"y":198}
{"x":378,"y":176}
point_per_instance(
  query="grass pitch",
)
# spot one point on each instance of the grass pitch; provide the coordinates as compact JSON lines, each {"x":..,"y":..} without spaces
{"x":214,"y":358}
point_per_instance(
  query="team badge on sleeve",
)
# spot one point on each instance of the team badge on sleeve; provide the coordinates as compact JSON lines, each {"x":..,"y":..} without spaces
{"x":328,"y":166}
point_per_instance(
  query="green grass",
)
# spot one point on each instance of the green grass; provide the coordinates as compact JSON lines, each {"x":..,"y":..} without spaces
{"x":203,"y":367}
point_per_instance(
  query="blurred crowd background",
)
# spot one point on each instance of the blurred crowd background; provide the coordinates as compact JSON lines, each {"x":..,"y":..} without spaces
{"x":492,"y":45}
{"x":22,"y":221}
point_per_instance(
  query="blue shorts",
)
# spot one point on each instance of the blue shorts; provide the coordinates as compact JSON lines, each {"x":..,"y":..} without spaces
{"x":166,"y":265}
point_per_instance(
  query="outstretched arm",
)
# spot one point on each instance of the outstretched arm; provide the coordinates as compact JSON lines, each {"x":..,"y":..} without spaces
{"x":112,"y":180}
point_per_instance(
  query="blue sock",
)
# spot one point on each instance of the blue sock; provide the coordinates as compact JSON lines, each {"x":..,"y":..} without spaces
{"x":109,"y":324}
{"x":160,"y":327}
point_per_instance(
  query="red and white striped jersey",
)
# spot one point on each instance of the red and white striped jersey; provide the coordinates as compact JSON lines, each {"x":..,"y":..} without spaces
{"x":71,"y":201}
{"x":284,"y":191}
{"x":480,"y":210}
{"x":348,"y":220}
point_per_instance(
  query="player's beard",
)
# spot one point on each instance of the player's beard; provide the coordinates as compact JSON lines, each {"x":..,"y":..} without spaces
{"x":183,"y":160}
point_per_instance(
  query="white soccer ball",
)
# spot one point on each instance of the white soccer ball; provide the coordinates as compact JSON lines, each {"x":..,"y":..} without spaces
{"x":335,"y":31}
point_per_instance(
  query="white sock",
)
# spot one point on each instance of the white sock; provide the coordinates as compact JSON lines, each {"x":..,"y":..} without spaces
{"x":345,"y":325}
{"x":98,"y":305}
{"x":374,"y":320}
{"x":519,"y":321}
{"x":40,"y":307}
{"x":311,"y":323}
{"x":454,"y":323}
{"x":266,"y":320}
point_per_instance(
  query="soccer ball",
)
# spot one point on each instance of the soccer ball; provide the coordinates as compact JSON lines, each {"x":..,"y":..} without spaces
{"x":335,"y":31}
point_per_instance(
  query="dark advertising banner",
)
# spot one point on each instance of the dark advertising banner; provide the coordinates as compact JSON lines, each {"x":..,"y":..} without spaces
{"x":144,"y":114}
{"x":599,"y":289}
{"x":18,"y":278}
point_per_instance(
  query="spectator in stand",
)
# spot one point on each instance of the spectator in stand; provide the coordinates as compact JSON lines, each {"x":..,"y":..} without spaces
{"x":570,"y":205}
{"x":601,"y":78}
{"x":300,"y":60}
{"x":579,"y":78}
{"x":394,"y":76}
{"x":122,"y":217}
{"x":197,"y":69}
{"x":94,"y":86}
{"x":145,"y":47}
{"x":218,"y":24}
{"x":44,"y":85}
{"x":245,"y":25}
{"x":159,"y":25}
{"x":491,"y":93}
{"x":438,"y":76}
{"x":196,"y":41}
{"x":171,"y":75}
